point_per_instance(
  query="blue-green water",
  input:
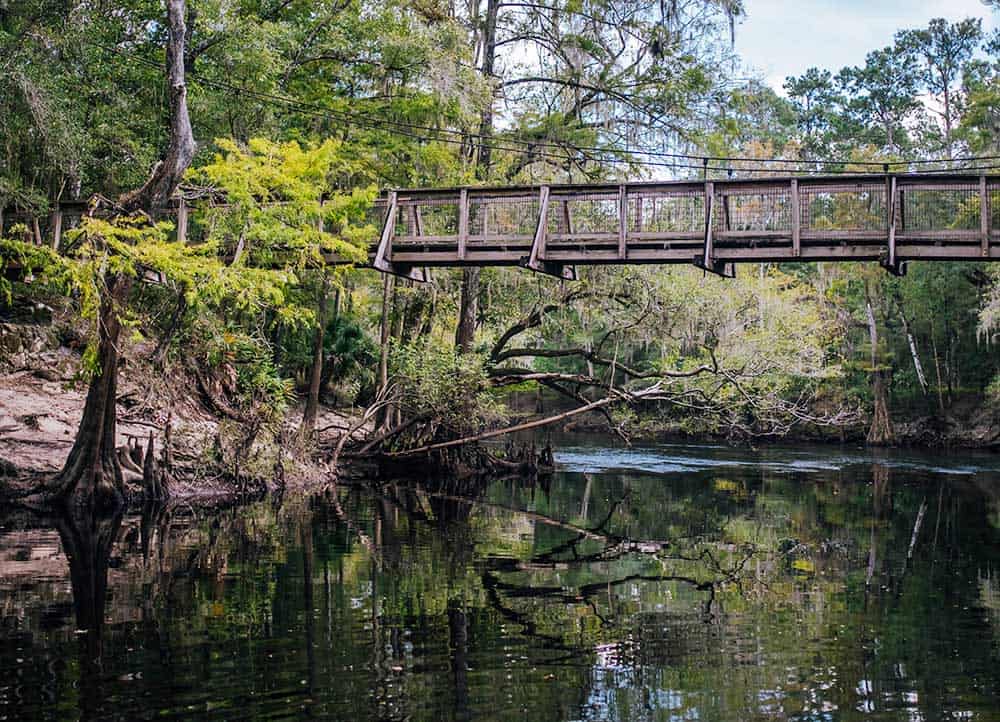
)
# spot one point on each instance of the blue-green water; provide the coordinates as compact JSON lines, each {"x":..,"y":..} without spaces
{"x":670,"y":582}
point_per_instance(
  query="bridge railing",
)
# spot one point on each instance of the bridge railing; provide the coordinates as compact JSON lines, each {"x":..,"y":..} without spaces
{"x":715,"y":223}
{"x":890,"y":218}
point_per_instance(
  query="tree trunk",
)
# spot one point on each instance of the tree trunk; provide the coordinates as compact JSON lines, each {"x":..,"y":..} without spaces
{"x":400,"y":312}
{"x":465,"y":334}
{"x":384,"y":335}
{"x":316,"y":373}
{"x":880,"y":432}
{"x":485,"y":154}
{"x":949,"y":367}
{"x":469,"y":304}
{"x":917,"y":366}
{"x":947,"y":119}
{"x":167,"y":174}
{"x":592,"y":406}
{"x":937,"y":372}
{"x":92,"y":475}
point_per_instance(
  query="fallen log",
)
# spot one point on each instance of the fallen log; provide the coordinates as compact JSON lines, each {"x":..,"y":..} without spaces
{"x":511,"y":429}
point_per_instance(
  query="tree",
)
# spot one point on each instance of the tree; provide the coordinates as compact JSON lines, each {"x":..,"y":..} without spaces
{"x":816,"y":99}
{"x":945,"y":50}
{"x":485,"y":43}
{"x":623,"y":343}
{"x":880,"y":433}
{"x":980,"y":122}
{"x":610,"y":76}
{"x":92,"y":474}
{"x":754,"y":121}
{"x":882,"y":95}
{"x":584,"y":82}
{"x":287,"y":209}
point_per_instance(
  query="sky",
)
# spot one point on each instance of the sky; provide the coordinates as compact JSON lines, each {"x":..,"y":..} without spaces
{"x":779,"y":38}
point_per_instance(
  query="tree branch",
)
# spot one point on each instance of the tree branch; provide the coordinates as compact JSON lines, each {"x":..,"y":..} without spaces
{"x":154,"y":195}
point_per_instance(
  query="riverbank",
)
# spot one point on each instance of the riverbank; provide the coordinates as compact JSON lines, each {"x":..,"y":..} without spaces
{"x":41,"y":403}
{"x":218,"y":448}
{"x":978,"y":428}
{"x":969,"y":423}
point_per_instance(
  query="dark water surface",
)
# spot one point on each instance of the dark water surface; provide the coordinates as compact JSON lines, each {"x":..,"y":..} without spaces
{"x":671,"y":582}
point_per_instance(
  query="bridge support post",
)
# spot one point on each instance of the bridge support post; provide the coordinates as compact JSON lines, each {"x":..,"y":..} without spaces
{"x":536,"y":259}
{"x":383,"y":256}
{"x":796,"y":220}
{"x":890,"y":262}
{"x":622,"y":222}
{"x":463,"y":223}
{"x":984,"y":216}
{"x":707,"y":261}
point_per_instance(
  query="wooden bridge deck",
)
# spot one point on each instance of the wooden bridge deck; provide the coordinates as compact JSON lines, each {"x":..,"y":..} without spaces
{"x":713,"y":224}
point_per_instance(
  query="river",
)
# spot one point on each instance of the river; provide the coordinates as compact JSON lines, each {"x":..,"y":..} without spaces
{"x":661,"y":582}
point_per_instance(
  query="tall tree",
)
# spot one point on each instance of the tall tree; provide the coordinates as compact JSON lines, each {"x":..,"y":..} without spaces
{"x":880,"y":432}
{"x":92,"y":474}
{"x":311,"y":410}
{"x":816,"y":100}
{"x":485,"y":42}
{"x":585,"y":84}
{"x":944,"y":50}
{"x":882,"y":96}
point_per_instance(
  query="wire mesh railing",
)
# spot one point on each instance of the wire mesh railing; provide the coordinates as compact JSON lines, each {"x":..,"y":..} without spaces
{"x":892,"y":218}
{"x":804,"y":216}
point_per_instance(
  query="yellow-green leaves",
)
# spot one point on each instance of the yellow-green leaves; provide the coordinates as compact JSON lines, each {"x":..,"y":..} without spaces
{"x":273,"y":210}
{"x":284,"y":205}
{"x":40,"y":263}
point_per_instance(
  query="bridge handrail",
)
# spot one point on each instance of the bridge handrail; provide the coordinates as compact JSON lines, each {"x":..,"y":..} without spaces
{"x":713,"y":223}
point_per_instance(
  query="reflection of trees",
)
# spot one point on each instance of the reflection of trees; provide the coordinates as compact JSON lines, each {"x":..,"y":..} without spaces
{"x":458,"y":643}
{"x":600,"y":560}
{"x":569,"y":594}
{"x":705,"y":572}
{"x":881,"y":506}
{"x":408,"y":597}
{"x":87,"y":540}
{"x":308,"y":602}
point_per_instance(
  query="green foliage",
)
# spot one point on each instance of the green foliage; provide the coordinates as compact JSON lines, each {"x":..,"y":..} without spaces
{"x":349,"y":353}
{"x":43,"y":268}
{"x":281,"y":205}
{"x":989,"y":316}
{"x":452,"y":387}
{"x":248,"y":362}
{"x":394,"y":94}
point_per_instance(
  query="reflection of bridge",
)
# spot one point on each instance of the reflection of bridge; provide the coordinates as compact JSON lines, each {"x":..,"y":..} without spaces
{"x":713,"y":224}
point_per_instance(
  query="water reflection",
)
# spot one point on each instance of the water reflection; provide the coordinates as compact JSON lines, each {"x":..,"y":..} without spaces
{"x":87,"y":541}
{"x":730,"y":591}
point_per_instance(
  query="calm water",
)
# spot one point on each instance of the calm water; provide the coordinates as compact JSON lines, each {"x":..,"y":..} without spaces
{"x":657,"y":583}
